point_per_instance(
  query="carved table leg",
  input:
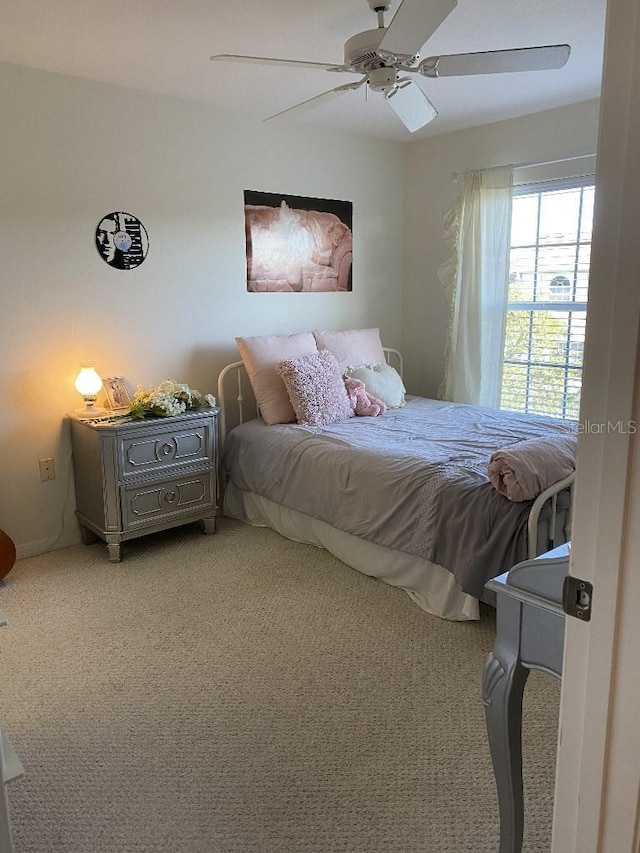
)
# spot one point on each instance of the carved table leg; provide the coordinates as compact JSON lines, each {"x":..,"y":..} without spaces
{"x":113,"y":546}
{"x":503,"y":684}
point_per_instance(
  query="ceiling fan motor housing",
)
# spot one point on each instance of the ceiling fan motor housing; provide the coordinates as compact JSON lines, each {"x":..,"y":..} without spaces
{"x":361,"y":50}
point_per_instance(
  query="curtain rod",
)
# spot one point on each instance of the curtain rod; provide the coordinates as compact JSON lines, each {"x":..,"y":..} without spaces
{"x":456,"y":175}
{"x":553,"y":162}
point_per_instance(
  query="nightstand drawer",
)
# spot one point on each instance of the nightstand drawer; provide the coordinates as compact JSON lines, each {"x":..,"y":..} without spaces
{"x":147,"y":503}
{"x":162,"y":448}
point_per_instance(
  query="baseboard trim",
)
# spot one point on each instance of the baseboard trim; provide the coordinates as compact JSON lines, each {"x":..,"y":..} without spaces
{"x":41,"y":546}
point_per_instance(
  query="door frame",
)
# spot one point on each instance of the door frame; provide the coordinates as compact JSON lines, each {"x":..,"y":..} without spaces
{"x":598,"y":771}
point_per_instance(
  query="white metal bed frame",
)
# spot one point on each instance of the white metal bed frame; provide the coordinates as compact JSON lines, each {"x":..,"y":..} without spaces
{"x":558,"y":532}
{"x":242,"y":380}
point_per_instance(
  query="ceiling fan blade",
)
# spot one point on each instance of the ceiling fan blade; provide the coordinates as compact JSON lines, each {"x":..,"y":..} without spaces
{"x":267,"y":60}
{"x":496,"y":61}
{"x":413,"y":23}
{"x":311,"y":103}
{"x":410,"y":104}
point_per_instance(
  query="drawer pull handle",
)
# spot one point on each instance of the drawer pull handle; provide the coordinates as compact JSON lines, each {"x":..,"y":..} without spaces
{"x":170,"y":497}
{"x":167,"y":450}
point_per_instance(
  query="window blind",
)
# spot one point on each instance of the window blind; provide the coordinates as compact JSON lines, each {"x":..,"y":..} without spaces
{"x":547,"y":297}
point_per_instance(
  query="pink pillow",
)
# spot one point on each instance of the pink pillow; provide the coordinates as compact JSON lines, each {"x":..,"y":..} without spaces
{"x":355,"y":346}
{"x":260,"y":355}
{"x":316,"y":388}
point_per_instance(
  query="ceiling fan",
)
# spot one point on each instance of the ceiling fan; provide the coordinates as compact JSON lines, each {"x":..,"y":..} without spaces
{"x":385,"y":56}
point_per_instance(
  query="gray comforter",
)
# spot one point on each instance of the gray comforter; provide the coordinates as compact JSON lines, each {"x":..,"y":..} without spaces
{"x":414,"y":479}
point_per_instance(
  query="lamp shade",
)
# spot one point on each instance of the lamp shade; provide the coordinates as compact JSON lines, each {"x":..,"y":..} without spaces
{"x":88,"y":383}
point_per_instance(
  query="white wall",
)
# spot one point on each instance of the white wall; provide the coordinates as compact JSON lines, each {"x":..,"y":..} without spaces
{"x":73,"y":151}
{"x":429,"y":192}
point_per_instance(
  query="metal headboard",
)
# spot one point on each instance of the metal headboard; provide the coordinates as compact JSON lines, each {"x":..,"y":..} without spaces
{"x":235,"y":376}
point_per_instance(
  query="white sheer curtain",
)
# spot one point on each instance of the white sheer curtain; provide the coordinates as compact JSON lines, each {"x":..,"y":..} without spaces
{"x":477,"y":276}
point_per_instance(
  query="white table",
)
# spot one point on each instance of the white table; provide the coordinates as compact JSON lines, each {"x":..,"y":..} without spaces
{"x":530,"y":635}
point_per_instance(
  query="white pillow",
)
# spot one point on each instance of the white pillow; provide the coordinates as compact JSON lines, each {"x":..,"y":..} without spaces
{"x":260,"y":355}
{"x":380,"y":380}
{"x":354,"y":346}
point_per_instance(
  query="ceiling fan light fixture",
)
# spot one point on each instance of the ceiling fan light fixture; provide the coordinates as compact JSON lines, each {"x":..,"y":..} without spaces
{"x":410,"y":104}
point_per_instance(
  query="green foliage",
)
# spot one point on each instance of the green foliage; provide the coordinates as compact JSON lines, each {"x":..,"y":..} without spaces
{"x":542,"y":363}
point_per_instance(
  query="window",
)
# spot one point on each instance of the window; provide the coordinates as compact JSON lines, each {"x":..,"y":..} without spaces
{"x":547,"y":297}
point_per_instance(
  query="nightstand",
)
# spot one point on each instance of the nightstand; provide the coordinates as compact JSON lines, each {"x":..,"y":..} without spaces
{"x":134,"y":477}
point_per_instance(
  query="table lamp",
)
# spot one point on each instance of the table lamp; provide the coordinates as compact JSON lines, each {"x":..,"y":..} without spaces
{"x":88,"y":383}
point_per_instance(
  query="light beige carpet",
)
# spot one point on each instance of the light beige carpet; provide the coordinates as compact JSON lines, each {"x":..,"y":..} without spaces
{"x":240,"y":693}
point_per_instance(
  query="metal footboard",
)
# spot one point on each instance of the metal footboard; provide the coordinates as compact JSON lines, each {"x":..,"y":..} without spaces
{"x":550,"y":496}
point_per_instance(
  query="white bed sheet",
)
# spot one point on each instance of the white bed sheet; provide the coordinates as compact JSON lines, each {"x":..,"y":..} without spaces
{"x":430,"y":586}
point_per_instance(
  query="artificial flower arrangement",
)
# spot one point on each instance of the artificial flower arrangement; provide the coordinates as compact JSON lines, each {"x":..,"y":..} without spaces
{"x":167,"y":399}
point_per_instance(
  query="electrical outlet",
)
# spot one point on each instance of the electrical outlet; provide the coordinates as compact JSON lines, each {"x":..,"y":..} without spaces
{"x":47,"y":469}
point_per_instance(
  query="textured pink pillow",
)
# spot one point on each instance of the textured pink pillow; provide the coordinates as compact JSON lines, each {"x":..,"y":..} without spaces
{"x":354,"y":346}
{"x":260,"y":355}
{"x":316,"y":388}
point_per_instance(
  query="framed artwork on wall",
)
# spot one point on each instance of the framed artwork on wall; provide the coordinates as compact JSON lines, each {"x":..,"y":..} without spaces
{"x":298,"y":245}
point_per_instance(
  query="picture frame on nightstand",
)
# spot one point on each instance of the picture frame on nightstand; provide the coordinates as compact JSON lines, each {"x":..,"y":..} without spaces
{"x":116,"y":393}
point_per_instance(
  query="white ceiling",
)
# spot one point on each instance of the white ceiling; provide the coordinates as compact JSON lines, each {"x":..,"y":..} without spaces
{"x":164,"y":46}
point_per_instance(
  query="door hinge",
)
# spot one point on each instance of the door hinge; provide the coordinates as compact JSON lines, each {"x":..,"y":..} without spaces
{"x":577,"y":598}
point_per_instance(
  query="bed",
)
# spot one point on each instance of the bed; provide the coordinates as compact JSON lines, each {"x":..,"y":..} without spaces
{"x":404,"y":497}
